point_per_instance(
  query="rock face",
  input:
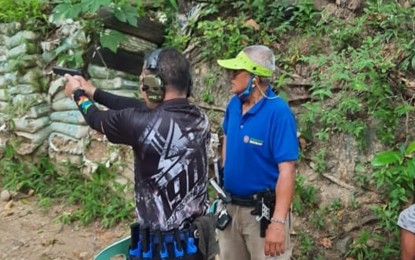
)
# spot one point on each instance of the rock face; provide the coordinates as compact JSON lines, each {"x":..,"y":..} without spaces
{"x":345,"y":9}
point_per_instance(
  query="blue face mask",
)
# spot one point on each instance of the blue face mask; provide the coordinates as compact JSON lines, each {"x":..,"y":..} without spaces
{"x":248,"y":90}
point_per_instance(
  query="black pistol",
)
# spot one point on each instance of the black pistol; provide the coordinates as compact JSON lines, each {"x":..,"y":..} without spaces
{"x":61,"y":71}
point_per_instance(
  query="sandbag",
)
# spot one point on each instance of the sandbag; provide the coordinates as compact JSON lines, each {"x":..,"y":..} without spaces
{"x":115,"y":83}
{"x":28,"y":100}
{"x":56,"y":86}
{"x":30,"y":125}
{"x":58,"y":96}
{"x":22,"y":49}
{"x":24,"y":62}
{"x":37,"y":111}
{"x":20,"y":38}
{"x":3,"y":106}
{"x":7,"y":93}
{"x":64,"y":105}
{"x":62,"y":143}
{"x":73,"y":159}
{"x":8,"y":79}
{"x":76,"y":131}
{"x":27,"y":142}
{"x":2,"y":66}
{"x":10,"y":28}
{"x":3,"y":40}
{"x":99,"y":72}
{"x":69,"y":116}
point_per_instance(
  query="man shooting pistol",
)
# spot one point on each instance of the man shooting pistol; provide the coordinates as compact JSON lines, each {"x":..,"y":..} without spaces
{"x":169,"y":136}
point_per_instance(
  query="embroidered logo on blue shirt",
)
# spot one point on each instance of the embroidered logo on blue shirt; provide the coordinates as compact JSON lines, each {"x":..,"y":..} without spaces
{"x":256,"y":141}
{"x":253,"y":141}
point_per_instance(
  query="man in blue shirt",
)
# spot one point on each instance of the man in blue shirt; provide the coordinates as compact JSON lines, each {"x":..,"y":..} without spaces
{"x":260,"y":149}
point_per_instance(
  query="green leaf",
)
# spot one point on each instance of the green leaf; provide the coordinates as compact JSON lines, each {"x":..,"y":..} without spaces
{"x":132,"y":20}
{"x":413,"y":62}
{"x":75,"y":11}
{"x":120,"y":15}
{"x":96,"y":4}
{"x":380,"y":180}
{"x":403,"y":109}
{"x":410,"y":149}
{"x":66,"y":10}
{"x":174,"y":4}
{"x":321,"y":93}
{"x":131,"y":15}
{"x":386,"y":158}
{"x":111,"y":39}
{"x":359,"y":85}
{"x":340,"y":75}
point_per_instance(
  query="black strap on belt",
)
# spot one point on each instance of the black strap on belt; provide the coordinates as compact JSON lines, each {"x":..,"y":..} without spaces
{"x":250,"y":201}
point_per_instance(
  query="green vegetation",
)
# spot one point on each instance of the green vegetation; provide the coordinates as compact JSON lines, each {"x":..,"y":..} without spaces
{"x":358,"y":71}
{"x":366,"y":246}
{"x":357,"y":87}
{"x":31,"y":13}
{"x":306,"y":196}
{"x":94,"y":198}
{"x":394,"y":173}
{"x":354,"y":61}
{"x":308,"y":248}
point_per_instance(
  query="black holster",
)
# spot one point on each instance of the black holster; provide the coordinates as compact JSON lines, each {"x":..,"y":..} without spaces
{"x":264,"y":209}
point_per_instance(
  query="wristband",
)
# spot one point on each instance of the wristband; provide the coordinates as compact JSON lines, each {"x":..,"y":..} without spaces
{"x":278,"y":221}
{"x":76,"y":88}
{"x":78,"y":91}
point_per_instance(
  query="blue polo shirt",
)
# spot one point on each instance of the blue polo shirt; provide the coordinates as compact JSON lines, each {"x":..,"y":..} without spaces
{"x":256,"y":143}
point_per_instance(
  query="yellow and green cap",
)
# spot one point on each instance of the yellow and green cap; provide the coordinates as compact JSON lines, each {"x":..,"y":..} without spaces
{"x":243,"y":62}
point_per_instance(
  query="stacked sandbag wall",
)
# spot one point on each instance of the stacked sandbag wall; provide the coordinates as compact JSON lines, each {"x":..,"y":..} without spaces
{"x":6,"y":79}
{"x":35,"y":115}
{"x":69,"y":132}
{"x":23,"y":90}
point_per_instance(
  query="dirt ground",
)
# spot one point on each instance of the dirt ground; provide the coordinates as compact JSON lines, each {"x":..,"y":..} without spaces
{"x":29,"y":232}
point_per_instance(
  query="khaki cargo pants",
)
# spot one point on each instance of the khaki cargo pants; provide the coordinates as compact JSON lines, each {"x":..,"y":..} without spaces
{"x":241,"y":241}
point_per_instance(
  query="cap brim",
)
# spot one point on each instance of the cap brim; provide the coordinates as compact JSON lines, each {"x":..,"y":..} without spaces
{"x":232,"y":64}
{"x":243,"y":62}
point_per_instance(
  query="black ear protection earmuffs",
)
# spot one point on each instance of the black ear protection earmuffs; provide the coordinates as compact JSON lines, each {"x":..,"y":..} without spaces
{"x":189,"y":88}
{"x":153,"y":85}
{"x":154,"y":88}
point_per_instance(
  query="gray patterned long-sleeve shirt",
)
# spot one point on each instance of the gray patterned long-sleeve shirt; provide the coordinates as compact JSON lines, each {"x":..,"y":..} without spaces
{"x":170,"y":144}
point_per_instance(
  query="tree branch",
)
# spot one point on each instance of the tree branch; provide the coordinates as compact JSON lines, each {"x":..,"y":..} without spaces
{"x":338,"y":182}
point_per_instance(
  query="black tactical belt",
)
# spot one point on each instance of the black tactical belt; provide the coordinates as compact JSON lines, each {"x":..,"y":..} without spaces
{"x":244,"y":201}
